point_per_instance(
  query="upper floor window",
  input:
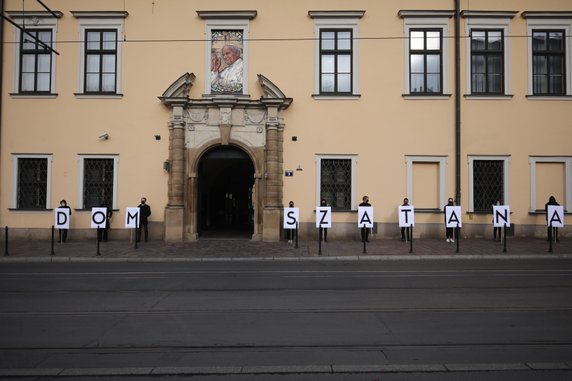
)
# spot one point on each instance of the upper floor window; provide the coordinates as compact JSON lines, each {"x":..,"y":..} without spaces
{"x":548,"y":62}
{"x":426,"y":52}
{"x":101,"y":34}
{"x":336,"y":61}
{"x":32,"y":175}
{"x":336,"y":71}
{"x":487,"y":66}
{"x":425,"y":61}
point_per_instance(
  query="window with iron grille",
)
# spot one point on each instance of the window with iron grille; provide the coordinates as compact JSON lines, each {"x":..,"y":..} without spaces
{"x":35,"y":61}
{"x":488,"y":184}
{"x":336,"y":61}
{"x":100,"y":61}
{"x":487,"y":62}
{"x":32,"y":183}
{"x":548,"y":62}
{"x":336,"y":183}
{"x":425,"y":61}
{"x":98,"y":187}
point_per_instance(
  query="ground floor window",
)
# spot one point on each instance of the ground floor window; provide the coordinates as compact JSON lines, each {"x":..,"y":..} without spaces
{"x":98,"y":176}
{"x":336,"y":182}
{"x":32,"y":179}
{"x":426,"y":179}
{"x":488,"y":182}
{"x":550,"y":176}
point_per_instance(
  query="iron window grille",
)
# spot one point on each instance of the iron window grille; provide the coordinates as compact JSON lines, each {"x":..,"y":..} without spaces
{"x":425,"y":61}
{"x":336,"y":61}
{"x":35,"y":61}
{"x":488,"y":184}
{"x":487,"y":62}
{"x":336,"y":183}
{"x":548,"y":62}
{"x":98,"y":177}
{"x":32,"y":183}
{"x":100,"y":74}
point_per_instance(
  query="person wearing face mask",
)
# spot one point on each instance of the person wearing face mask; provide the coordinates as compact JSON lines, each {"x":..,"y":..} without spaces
{"x":144,"y":213}
{"x":449,"y":231}
{"x":365,"y":231}
{"x":405,"y":231}
{"x":324,"y":231}
{"x":64,"y":232}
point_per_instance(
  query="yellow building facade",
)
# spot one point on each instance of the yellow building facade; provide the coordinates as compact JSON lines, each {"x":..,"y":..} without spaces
{"x":219,"y":113}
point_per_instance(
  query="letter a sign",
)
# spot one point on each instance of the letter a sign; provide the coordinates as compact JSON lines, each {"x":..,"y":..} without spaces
{"x":98,"y":217}
{"x":555,"y":217}
{"x":453,"y":217}
{"x":132,"y":218}
{"x":365,"y":216}
{"x":291,"y":216}
{"x":62,"y":217}
{"x":323,"y":217}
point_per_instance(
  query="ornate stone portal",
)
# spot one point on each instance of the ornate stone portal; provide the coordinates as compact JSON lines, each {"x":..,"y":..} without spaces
{"x":198,"y":125}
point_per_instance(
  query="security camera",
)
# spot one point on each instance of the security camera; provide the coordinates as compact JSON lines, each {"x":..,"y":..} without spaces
{"x":104,"y":136}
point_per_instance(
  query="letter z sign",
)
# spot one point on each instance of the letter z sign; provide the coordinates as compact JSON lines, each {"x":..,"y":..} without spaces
{"x":323,"y":217}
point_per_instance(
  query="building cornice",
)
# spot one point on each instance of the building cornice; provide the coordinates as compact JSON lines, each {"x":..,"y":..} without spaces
{"x":336,"y":14}
{"x":33,"y":14}
{"x":227,"y":15}
{"x":425,"y":13}
{"x":547,"y":15}
{"x":489,"y":14}
{"x":100,"y":14}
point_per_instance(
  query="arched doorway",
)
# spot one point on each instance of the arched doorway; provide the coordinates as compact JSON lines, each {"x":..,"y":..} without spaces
{"x":225,"y":205}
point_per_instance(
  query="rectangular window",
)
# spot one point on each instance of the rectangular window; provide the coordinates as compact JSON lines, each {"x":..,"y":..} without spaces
{"x":32,"y":183}
{"x":98,"y":182}
{"x":35,"y":61}
{"x":336,"y":57}
{"x":550,"y":176}
{"x":426,"y":181}
{"x":100,"y":71}
{"x":488,"y":184}
{"x":425,"y":61}
{"x":548,"y":62}
{"x":336,"y":184}
{"x":487,"y":52}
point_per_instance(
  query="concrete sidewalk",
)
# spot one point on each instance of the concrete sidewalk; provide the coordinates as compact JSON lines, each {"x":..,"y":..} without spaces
{"x":221,"y":249}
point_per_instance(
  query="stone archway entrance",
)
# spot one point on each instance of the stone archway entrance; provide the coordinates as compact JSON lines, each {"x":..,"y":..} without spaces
{"x":225,"y":184}
{"x":211,"y":134}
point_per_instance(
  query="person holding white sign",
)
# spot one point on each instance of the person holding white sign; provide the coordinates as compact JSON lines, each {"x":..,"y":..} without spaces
{"x":324,"y":235}
{"x":291,"y":216}
{"x":63,"y":225}
{"x":449,"y":231}
{"x":364,"y":230}
{"x":405,"y":230}
{"x":551,"y":201}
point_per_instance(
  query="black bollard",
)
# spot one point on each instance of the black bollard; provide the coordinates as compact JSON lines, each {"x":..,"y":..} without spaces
{"x":97,"y":240}
{"x":411,"y":239}
{"x":550,"y":238}
{"x":52,"y":252}
{"x":296,"y":235}
{"x":504,"y":243}
{"x":319,"y":241}
{"x":364,"y":247}
{"x":6,"y":242}
{"x":457,"y":236}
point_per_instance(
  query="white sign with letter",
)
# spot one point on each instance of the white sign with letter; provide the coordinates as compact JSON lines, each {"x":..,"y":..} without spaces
{"x":555,"y":217}
{"x":323,"y":217}
{"x":62,"y":218}
{"x":453,"y":217}
{"x":291,"y":217}
{"x":365,"y":216}
{"x":98,"y":217}
{"x":501,"y":216}
{"x":406,"y":216}
{"x":132,"y":218}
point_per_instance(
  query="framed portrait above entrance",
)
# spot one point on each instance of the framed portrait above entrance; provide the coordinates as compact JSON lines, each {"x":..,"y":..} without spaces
{"x":226,"y":61}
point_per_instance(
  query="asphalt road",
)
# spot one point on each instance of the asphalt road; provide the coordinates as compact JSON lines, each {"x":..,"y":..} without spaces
{"x":433,"y":319}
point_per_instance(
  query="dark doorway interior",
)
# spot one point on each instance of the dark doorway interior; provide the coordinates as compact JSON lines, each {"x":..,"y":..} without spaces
{"x":226,"y":178}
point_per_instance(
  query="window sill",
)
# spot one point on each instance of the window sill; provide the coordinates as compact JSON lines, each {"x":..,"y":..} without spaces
{"x":98,"y":96}
{"x":489,"y":96}
{"x":89,"y":210}
{"x":28,"y":210}
{"x":428,"y":210}
{"x":336,"y":96}
{"x":426,"y":96}
{"x":549,"y":97}
{"x":33,"y":95}
{"x":542,"y":212}
{"x":342,"y":211}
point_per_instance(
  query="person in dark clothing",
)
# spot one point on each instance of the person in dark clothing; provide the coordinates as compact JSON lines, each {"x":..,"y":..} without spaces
{"x":64,"y":232}
{"x":405,"y":231}
{"x":365,"y":231}
{"x":102,"y":233}
{"x":497,"y":230}
{"x":290,"y":233}
{"x":449,"y":231}
{"x":324,"y":231}
{"x":144,"y":213}
{"x":551,"y":201}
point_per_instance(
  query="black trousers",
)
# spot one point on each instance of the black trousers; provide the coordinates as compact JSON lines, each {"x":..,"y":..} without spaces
{"x":364,"y":234}
{"x":143,"y":227}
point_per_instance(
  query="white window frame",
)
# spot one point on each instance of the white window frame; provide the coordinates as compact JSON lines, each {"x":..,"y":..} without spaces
{"x":100,"y":20}
{"x":81,"y":159}
{"x":489,"y":24}
{"x":336,"y":20}
{"x":567,"y":161}
{"x":551,"y":24}
{"x":427,"y":20}
{"x":506,"y":189}
{"x":441,"y":161}
{"x":31,"y":22}
{"x":15,"y":158}
{"x":224,"y":24}
{"x":353,"y":158}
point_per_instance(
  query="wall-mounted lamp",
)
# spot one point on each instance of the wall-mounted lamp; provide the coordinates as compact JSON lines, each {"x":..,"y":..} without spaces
{"x":166,"y":165}
{"x":104,"y":136}
{"x":299,"y":168}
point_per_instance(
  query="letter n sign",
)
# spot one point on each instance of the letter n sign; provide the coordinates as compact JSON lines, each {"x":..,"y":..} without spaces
{"x":453,"y":217}
{"x":62,"y":217}
{"x":132,"y":218}
{"x":555,"y":217}
{"x":501,"y":216}
{"x":291,"y":216}
{"x":98,"y":217}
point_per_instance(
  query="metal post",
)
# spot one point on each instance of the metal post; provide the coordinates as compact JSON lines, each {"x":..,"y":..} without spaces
{"x":319,"y":241}
{"x":504,"y":243}
{"x":53,"y":238}
{"x":296,"y":234}
{"x":97,"y":240}
{"x":136,"y":230}
{"x":457,"y":236}
{"x":550,"y":238}
{"x":6,"y":242}
{"x":411,"y":239}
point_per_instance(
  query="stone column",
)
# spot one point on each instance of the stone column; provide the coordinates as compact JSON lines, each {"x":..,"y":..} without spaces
{"x":174,"y":211}
{"x":272,"y":176}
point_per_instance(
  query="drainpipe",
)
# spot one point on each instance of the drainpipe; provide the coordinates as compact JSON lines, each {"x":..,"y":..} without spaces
{"x":458,"y":102}
{"x":1,"y":66}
